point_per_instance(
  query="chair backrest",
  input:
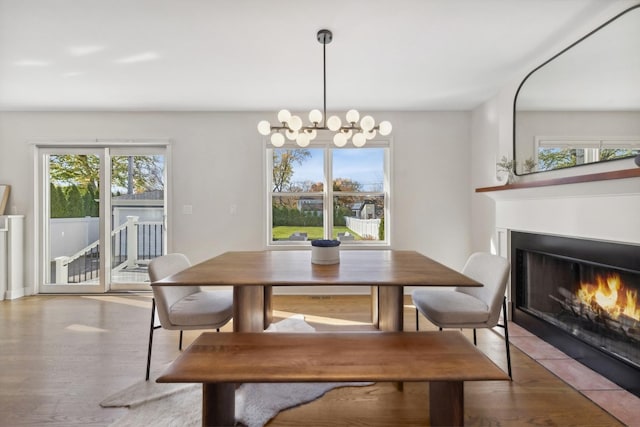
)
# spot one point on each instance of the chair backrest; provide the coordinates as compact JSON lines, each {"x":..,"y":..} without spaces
{"x":166,"y":296}
{"x":493,"y":272}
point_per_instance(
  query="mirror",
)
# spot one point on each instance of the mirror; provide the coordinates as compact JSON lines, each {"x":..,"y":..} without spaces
{"x":583,"y":105}
{"x":4,"y":196}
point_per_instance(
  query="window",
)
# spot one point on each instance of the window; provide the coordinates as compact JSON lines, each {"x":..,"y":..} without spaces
{"x":324,"y":192}
{"x":561,"y":152}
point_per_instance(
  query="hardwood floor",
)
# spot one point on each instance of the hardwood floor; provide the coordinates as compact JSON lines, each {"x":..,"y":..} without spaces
{"x":61,"y":355}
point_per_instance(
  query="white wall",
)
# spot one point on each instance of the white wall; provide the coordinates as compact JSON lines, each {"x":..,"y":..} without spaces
{"x":218,"y":162}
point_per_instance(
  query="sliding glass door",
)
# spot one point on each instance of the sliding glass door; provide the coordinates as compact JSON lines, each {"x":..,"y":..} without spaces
{"x":137,"y":225}
{"x":102,"y":217}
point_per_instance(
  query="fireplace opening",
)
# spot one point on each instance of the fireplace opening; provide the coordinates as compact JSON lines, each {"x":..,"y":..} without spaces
{"x":597,"y":304}
{"x":582,"y":296}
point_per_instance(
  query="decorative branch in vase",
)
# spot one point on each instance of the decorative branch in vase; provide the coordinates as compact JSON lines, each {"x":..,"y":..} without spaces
{"x":507,"y":167}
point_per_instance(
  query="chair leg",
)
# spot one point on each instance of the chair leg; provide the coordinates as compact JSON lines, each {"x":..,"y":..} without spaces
{"x":440,"y":329}
{"x":417,"y":325}
{"x":506,"y":335}
{"x":180,"y":344}
{"x":151,"y":328}
{"x":217,"y":329}
{"x":475,"y":341}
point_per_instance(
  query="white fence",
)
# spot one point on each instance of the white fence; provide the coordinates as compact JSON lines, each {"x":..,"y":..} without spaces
{"x":133,"y":242}
{"x":69,"y":235}
{"x":366,"y":228}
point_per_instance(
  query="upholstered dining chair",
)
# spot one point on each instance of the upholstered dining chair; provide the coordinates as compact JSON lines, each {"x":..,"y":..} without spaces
{"x":466,"y":307}
{"x":184,"y":307}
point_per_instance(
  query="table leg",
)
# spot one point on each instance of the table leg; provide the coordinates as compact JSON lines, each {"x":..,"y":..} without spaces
{"x":268,"y":306}
{"x":446,"y":403}
{"x":218,"y":404}
{"x":248,"y":308}
{"x":391,"y":308}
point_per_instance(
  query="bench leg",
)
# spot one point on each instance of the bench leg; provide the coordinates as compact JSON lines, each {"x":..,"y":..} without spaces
{"x":446,"y":403}
{"x":391,"y":312}
{"x":218,"y":404}
{"x":375,"y":316}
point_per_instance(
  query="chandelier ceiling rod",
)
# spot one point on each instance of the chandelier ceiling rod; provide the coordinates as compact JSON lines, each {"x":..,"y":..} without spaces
{"x":324,"y":37}
{"x":291,"y":126}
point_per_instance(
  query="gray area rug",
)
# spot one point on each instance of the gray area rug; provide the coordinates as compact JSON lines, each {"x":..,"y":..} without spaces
{"x":180,"y":405}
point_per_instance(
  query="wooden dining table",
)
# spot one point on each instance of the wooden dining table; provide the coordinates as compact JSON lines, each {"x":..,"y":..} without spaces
{"x":253,"y":275}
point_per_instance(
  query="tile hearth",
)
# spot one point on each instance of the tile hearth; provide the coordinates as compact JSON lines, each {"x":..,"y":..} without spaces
{"x":618,"y":402}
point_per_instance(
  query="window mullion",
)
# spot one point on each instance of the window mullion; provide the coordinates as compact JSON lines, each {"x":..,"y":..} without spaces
{"x":328,"y":193}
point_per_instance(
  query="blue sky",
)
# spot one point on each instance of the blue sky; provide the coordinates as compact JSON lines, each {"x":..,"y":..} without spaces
{"x":364,"y":165}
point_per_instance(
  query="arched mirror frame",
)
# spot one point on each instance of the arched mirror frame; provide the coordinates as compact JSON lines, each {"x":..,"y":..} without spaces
{"x":515,"y":100}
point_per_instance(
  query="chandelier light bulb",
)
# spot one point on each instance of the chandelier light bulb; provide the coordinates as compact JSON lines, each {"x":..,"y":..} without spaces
{"x":353,"y":116}
{"x":367,"y":123}
{"x":277,"y":139}
{"x":315,"y":116}
{"x":312,"y":134}
{"x":340,"y":140}
{"x":347,"y":134}
{"x":291,"y":135}
{"x":359,"y":139}
{"x":370,"y":135}
{"x":284,"y":116}
{"x":264,"y":127}
{"x":334,"y":123}
{"x":303,"y":139}
{"x":295,"y":123}
{"x":384,"y":128}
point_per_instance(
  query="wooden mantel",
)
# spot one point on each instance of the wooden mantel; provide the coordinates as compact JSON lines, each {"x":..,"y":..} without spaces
{"x":602,"y":176}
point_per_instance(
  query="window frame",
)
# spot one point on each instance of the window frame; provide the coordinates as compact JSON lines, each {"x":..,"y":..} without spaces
{"x":328,"y":194}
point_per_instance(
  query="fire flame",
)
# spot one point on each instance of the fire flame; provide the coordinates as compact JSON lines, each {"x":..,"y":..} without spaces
{"x":609,"y":294}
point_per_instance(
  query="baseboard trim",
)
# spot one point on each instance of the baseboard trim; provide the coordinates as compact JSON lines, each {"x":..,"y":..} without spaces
{"x":15,"y":293}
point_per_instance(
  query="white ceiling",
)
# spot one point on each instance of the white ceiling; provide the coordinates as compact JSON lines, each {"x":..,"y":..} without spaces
{"x":254,"y":55}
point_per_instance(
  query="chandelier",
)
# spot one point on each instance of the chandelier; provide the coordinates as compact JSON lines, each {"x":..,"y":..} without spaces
{"x":291,"y":126}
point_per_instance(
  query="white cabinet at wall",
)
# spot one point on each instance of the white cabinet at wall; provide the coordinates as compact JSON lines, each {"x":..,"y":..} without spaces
{"x":11,"y":256}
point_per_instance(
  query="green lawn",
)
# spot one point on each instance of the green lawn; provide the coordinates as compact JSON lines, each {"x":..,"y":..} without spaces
{"x":283,"y":232}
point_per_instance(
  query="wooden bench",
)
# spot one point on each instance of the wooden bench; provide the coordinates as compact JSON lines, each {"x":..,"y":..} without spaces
{"x":444,"y":359}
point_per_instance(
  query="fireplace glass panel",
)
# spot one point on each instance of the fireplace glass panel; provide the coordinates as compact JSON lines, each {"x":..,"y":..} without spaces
{"x":597,"y":304}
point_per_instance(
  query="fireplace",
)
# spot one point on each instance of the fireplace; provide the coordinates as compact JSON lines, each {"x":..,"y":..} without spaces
{"x":582,"y":296}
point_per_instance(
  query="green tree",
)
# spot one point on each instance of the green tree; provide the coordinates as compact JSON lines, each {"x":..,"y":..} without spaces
{"x":90,"y":205}
{"x":283,"y":163}
{"x":75,"y":205}
{"x":615,"y":153}
{"x":81,"y":170}
{"x":339,"y":214}
{"x":145,"y":171}
{"x":556,"y":158}
{"x":343,"y":204}
{"x":84,"y":171}
{"x":57,"y":202}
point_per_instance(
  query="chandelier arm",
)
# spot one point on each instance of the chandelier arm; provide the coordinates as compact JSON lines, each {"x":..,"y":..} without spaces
{"x":314,"y":127}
